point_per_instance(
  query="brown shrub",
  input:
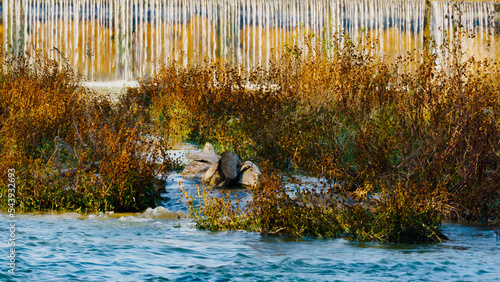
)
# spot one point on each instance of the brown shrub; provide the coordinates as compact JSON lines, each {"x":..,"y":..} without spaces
{"x":71,"y":149}
{"x":357,"y":121}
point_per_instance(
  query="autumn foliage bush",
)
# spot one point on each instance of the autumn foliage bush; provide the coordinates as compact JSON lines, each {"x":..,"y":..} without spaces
{"x":408,"y":143}
{"x":420,"y":133}
{"x":278,"y":208}
{"x":71,"y":149}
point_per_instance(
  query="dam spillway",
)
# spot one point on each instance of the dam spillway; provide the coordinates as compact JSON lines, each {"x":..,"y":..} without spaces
{"x":111,"y":40}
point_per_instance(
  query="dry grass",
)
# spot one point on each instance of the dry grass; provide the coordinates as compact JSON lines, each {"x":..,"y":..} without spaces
{"x":72,"y":151}
{"x":423,"y":136}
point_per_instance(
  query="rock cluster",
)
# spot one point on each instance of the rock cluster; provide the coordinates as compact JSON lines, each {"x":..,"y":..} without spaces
{"x":222,"y":171}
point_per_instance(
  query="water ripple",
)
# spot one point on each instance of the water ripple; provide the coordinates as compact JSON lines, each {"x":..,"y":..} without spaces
{"x":152,"y":247}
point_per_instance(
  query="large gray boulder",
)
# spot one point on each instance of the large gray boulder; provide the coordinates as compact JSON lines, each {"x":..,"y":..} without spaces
{"x":212,"y":176}
{"x":249,"y":174}
{"x":199,"y":162}
{"x":220,"y":171}
{"x":229,"y":168}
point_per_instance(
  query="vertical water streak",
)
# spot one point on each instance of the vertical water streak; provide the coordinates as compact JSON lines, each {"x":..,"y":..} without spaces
{"x":125,"y":39}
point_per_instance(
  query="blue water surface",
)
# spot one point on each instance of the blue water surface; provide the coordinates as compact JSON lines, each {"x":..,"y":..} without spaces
{"x":159,"y":247}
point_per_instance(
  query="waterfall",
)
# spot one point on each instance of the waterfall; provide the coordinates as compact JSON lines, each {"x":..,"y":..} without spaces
{"x":126,"y":39}
{"x":474,"y":25}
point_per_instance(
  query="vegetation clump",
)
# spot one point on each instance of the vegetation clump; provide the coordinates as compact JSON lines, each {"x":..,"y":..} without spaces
{"x":71,"y":149}
{"x":422,"y":135}
{"x":276,"y":208}
{"x":397,"y":146}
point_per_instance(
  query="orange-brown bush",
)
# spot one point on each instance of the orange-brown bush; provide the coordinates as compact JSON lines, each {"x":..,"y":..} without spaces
{"x":71,"y":149}
{"x":359,"y":122}
{"x":402,"y":214}
{"x":35,"y":105}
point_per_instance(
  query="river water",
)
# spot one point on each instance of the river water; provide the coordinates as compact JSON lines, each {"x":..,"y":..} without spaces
{"x":162,"y":244}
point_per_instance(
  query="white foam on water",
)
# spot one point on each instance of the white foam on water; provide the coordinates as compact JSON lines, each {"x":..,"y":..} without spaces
{"x":153,"y":214}
{"x":161,"y":213}
{"x":99,"y":216}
